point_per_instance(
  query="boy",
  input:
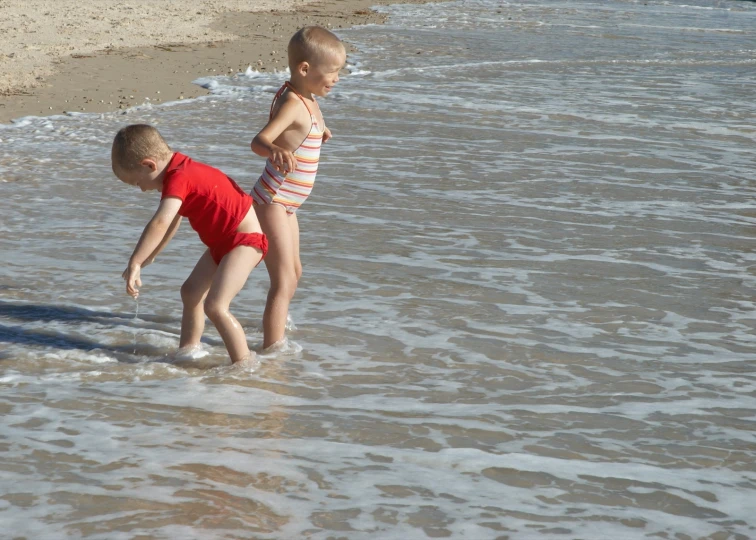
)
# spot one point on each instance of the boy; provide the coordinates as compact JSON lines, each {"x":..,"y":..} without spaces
{"x":217,"y":209}
{"x":291,"y":142}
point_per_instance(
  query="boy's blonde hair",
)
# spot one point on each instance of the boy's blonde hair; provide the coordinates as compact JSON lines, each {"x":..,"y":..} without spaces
{"x":312,"y":44}
{"x":134,"y":143}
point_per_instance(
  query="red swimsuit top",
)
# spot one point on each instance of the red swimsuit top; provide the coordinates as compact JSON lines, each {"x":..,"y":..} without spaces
{"x":213,"y":203}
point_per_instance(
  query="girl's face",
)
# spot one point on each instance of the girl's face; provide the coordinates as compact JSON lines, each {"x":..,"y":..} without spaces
{"x":323,"y":74}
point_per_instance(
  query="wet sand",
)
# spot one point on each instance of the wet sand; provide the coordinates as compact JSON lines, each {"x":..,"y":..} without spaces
{"x":90,"y":74}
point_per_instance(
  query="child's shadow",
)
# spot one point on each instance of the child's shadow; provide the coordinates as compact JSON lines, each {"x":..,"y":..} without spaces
{"x":10,"y":333}
{"x":129,"y":352}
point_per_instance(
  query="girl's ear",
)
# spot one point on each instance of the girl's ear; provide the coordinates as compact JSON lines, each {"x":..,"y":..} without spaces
{"x":303,"y":68}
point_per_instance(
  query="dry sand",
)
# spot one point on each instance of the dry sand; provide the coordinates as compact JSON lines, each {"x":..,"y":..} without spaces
{"x":97,"y":55}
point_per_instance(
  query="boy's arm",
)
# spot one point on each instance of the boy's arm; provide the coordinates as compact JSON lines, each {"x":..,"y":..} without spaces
{"x":264,"y":142}
{"x":169,"y":234}
{"x":152,"y":239}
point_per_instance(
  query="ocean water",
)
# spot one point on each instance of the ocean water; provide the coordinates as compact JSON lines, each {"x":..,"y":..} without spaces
{"x":528,"y":308}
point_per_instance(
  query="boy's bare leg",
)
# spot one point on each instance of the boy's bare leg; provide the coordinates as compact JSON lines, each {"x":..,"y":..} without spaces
{"x":281,"y":262}
{"x":231,"y":276}
{"x":193,"y":293}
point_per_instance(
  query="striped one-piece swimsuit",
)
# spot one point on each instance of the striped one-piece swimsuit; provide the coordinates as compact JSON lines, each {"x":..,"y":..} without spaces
{"x":290,"y":190}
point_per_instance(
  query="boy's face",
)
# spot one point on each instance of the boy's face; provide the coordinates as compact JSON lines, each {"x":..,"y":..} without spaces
{"x":323,"y":73}
{"x":145,"y":176}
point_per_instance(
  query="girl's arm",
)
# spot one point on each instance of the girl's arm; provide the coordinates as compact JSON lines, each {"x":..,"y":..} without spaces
{"x":287,"y":116}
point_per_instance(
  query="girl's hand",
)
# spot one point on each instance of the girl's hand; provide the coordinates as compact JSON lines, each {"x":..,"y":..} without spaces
{"x":327,"y":135}
{"x":283,"y":160}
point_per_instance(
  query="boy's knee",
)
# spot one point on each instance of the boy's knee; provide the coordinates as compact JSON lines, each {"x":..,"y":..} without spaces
{"x":214,"y":310}
{"x":190,"y":294}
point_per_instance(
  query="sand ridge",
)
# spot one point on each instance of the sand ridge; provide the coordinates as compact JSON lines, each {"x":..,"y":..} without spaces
{"x":65,"y":56}
{"x":38,"y":33}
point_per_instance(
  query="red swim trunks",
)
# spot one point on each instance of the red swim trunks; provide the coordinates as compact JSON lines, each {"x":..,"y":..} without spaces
{"x":255,"y":240}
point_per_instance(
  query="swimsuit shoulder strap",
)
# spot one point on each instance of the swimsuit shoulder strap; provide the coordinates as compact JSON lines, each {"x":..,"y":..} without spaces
{"x":290,"y":86}
{"x":275,"y":99}
{"x":280,"y":92}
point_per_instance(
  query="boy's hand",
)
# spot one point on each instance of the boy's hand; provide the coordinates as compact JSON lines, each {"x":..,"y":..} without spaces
{"x":133,"y":280}
{"x":327,"y":135}
{"x":282,"y":159}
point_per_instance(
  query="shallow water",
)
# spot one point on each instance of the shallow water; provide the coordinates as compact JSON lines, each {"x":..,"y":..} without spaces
{"x":527,"y":308}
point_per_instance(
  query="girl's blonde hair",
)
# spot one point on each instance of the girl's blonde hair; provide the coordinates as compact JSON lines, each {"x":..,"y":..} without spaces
{"x":312,"y":44}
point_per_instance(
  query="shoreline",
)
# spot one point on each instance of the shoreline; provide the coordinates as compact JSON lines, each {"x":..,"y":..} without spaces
{"x":110,"y":79}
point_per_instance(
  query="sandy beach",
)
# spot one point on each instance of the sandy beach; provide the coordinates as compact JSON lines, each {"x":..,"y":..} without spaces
{"x":58,"y":56}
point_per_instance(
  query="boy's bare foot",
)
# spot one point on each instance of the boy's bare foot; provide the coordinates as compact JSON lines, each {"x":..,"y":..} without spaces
{"x":277,"y":347}
{"x":248,"y":364}
{"x":190,"y":352}
{"x":282,"y":347}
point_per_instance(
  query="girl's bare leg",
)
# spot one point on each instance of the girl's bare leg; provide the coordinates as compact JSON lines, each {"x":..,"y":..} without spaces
{"x":294,"y":231}
{"x":282,"y":262}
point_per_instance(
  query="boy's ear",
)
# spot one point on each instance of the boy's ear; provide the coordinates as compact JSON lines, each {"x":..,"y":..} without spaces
{"x":150,"y":163}
{"x":303,"y":68}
